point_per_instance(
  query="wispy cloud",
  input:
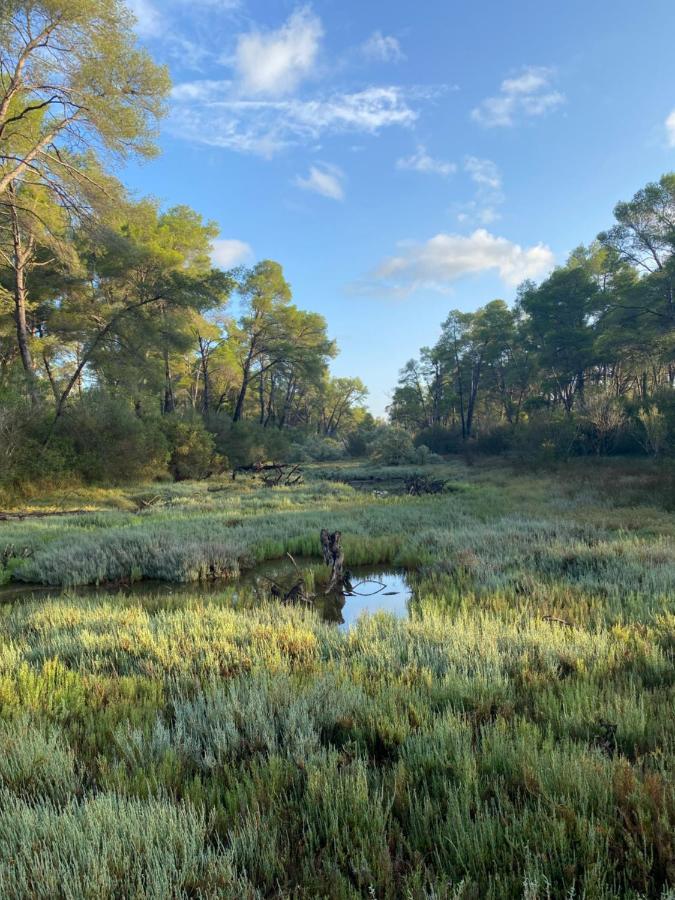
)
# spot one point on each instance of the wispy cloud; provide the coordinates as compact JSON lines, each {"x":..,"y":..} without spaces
{"x":483,"y":208}
{"x":484,"y":172}
{"x":529,"y":94}
{"x":149,"y":22}
{"x":421,"y":161}
{"x":211,"y":112}
{"x":229,"y":252}
{"x":323,"y":179}
{"x":382,"y":48}
{"x":153,"y":16}
{"x":437,"y":263}
{"x":670,"y":129}
{"x":273,"y":63}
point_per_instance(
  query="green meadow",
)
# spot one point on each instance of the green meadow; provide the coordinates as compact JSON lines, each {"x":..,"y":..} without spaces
{"x":512,"y":737}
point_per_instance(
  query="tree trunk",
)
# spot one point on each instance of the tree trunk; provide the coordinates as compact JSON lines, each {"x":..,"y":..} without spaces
{"x":473,"y":394}
{"x":169,"y":399}
{"x":21,"y":256}
{"x":206,"y":395}
{"x":239,"y":408}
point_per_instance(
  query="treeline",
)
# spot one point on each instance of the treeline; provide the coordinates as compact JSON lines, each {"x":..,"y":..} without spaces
{"x":120,"y":352}
{"x":582,"y":363}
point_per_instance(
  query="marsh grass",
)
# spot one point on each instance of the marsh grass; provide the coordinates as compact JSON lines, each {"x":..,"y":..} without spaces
{"x":188,"y":748}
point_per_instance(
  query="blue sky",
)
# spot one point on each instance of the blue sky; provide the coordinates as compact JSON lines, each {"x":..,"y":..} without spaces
{"x":403,"y":159}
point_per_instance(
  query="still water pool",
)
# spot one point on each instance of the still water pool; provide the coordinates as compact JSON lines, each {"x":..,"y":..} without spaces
{"x":372,"y":589}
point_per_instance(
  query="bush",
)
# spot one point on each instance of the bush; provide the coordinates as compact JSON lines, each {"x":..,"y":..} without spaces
{"x":358,"y":441}
{"x":101,"y":438}
{"x":16,"y":447}
{"x":423,"y":456}
{"x":495,"y":441}
{"x":441,"y":440}
{"x":324,"y":449}
{"x":392,"y":447}
{"x":246,"y":443}
{"x":191,"y":449}
{"x":545,"y":436}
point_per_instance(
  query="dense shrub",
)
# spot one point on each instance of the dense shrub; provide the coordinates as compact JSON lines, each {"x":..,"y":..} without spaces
{"x":392,"y":447}
{"x":324,"y":449}
{"x":110,"y":442}
{"x":493,"y":442}
{"x":359,"y":439}
{"x":440,"y":440}
{"x":191,"y":449}
{"x":98,"y":438}
{"x":245,"y":443}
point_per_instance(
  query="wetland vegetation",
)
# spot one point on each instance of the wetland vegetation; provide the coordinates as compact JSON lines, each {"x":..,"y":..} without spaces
{"x":511,"y":735}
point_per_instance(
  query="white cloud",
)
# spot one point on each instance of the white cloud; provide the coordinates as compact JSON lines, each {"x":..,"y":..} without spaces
{"x":484,"y":172}
{"x":226,"y":253}
{"x":483,"y":209}
{"x":670,"y":128}
{"x":436,"y":263}
{"x":210,"y":112}
{"x":529,"y":94}
{"x":382,"y":48}
{"x":420,"y":161}
{"x":149,"y":21}
{"x":273,"y":63}
{"x":325,"y":180}
{"x":476,"y":213}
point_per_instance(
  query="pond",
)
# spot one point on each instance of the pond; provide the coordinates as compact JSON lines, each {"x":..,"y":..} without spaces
{"x":373,"y":589}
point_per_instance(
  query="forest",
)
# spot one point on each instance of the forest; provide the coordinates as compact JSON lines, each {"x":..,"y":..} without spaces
{"x":583,"y":362}
{"x":119,"y":339}
{"x":256,"y":642}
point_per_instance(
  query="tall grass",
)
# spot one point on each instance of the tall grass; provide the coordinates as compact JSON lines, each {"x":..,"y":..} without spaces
{"x":442,"y":756}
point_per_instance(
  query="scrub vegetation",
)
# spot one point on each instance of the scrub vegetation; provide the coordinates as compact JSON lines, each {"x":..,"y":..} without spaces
{"x":512,"y":737}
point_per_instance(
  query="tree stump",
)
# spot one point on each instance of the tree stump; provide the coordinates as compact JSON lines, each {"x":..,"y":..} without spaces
{"x":333,"y":556}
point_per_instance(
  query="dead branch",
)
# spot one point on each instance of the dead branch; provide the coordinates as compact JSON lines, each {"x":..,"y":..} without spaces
{"x":273,"y":474}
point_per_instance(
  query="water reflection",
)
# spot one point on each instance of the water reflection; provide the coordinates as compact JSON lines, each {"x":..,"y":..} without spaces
{"x":372,"y":589}
{"x":388,"y":591}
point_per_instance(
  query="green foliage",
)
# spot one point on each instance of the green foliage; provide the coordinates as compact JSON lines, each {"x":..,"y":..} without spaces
{"x":392,"y":447}
{"x":246,"y":443}
{"x":108,"y":442}
{"x":322,"y":449}
{"x":191,"y":449}
{"x":584,"y":354}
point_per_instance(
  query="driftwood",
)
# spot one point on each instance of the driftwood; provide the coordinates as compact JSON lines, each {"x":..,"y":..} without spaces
{"x":416,"y":485}
{"x":296,"y":593}
{"x":273,"y":474}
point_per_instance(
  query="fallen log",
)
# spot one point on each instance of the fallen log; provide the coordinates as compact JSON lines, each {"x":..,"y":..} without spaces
{"x":39,"y":514}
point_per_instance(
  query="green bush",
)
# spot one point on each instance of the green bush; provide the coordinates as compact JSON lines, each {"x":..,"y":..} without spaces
{"x":246,"y":443}
{"x":109,"y":442}
{"x":191,"y":449}
{"x":324,"y":449}
{"x":440,"y":440}
{"x":99,"y":438}
{"x":392,"y":447}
